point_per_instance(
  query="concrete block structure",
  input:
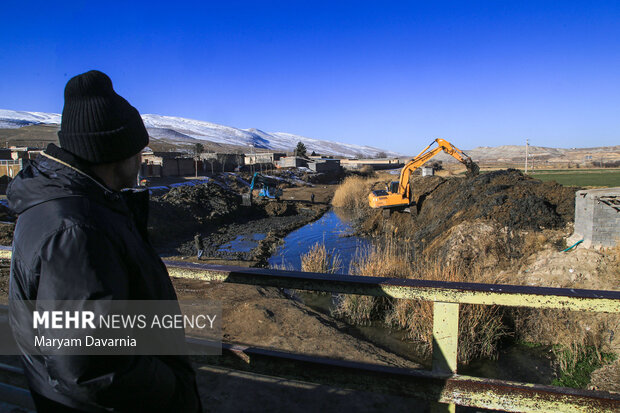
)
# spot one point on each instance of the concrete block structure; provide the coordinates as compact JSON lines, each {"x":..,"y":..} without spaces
{"x":597,"y":217}
{"x":263,"y":158}
{"x":325,"y":165}
{"x":292,"y":162}
{"x":164,"y":164}
{"x":428,"y":171}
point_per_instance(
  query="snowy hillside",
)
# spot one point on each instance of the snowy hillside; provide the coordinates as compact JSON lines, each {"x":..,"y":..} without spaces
{"x":11,"y":119}
{"x":181,"y":130}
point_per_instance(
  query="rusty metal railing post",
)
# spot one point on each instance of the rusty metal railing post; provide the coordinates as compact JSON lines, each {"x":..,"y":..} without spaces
{"x":445,"y":336}
{"x":445,"y":344}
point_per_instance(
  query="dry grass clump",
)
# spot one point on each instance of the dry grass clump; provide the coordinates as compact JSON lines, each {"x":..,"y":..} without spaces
{"x":607,"y":378}
{"x":386,"y":260}
{"x":570,"y":329}
{"x":480,"y":327}
{"x":318,"y":259}
{"x":615,"y":252}
{"x":353,"y":193}
{"x":367,"y":170}
{"x":533,"y":242}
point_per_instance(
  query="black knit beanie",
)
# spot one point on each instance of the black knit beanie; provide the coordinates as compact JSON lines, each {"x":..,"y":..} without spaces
{"x":97,"y":124}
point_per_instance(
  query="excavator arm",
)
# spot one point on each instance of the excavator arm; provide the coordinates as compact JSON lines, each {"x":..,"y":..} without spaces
{"x":426,"y":155}
{"x":400,"y":196}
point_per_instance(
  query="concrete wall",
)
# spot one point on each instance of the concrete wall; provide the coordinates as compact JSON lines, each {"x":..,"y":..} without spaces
{"x":597,"y":217}
{"x":263,"y":158}
{"x":325,"y":166}
{"x":291,"y":162}
{"x":376,"y":164}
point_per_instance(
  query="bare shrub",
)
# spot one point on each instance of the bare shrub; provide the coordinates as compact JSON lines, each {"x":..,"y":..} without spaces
{"x":367,"y":170}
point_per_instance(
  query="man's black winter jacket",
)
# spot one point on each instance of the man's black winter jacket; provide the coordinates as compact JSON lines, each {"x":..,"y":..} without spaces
{"x":75,"y":239}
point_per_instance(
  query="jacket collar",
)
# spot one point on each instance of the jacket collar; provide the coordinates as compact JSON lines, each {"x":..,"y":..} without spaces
{"x":77,"y":164}
{"x":132,"y":201}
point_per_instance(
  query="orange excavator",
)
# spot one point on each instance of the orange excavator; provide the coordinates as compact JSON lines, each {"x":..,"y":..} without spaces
{"x":397,"y":195}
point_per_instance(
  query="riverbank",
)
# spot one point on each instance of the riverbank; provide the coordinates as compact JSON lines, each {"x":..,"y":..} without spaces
{"x":502,"y":227}
{"x":229,"y":231}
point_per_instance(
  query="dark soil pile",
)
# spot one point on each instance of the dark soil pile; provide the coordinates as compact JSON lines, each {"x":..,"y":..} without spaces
{"x":507,"y":197}
{"x":488,"y":209}
{"x":278,"y":209}
{"x":6,"y":234}
{"x":204,"y":201}
{"x":186,"y":209}
{"x":6,"y":214}
{"x":237,"y":183}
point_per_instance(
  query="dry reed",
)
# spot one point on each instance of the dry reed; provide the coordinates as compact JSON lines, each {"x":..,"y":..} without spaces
{"x":318,"y":259}
{"x":480,"y":327}
{"x":353,"y":193}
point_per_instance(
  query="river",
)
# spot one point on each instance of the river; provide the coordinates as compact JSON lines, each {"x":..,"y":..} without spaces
{"x":330,"y":230}
{"x":514,"y":361}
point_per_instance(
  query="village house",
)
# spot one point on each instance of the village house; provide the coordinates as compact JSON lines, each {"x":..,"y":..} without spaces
{"x":292,"y":162}
{"x":263,"y":158}
{"x":220,"y":162}
{"x":376,"y":164}
{"x":166,"y":164}
{"x":324,"y":165}
{"x":12,"y":160}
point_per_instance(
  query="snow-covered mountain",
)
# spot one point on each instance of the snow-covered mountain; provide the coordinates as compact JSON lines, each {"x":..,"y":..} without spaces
{"x":188,"y":131}
{"x":11,"y":119}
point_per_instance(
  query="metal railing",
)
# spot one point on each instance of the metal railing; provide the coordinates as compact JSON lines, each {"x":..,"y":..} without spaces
{"x":442,"y":384}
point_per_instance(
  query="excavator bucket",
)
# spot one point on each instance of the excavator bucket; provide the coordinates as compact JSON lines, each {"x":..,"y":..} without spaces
{"x":472,"y":169}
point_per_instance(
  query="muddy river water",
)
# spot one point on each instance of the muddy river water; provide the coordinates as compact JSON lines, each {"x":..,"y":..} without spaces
{"x":514,"y":361}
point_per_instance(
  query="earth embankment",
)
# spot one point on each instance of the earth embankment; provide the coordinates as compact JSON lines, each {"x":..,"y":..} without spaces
{"x":493,"y":217}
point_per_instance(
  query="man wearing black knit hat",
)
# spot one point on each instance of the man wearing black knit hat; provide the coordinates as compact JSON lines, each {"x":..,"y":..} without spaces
{"x":81,"y":235}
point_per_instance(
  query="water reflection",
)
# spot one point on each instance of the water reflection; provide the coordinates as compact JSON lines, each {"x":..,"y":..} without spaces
{"x":330,"y":230}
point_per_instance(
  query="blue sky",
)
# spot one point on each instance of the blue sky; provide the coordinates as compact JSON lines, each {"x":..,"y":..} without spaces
{"x":388,"y":74}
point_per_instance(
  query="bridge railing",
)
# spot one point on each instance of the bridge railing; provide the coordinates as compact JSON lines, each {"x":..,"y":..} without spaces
{"x":442,"y":384}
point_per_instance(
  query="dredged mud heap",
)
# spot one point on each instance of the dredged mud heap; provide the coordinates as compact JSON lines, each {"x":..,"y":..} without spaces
{"x":469,"y":212}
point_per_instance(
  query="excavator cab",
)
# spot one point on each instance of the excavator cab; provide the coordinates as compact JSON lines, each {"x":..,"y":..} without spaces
{"x":268,"y":189}
{"x":392,"y":187}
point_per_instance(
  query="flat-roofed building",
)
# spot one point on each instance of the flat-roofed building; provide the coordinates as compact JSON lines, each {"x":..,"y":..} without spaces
{"x":292,"y":162}
{"x":377,"y":164}
{"x":325,"y":165}
{"x":162,"y":164}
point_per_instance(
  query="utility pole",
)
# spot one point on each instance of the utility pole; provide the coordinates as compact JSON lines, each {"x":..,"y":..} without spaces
{"x":527,"y":142}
